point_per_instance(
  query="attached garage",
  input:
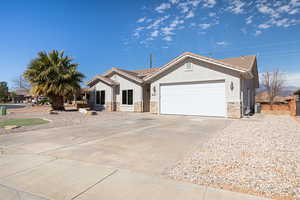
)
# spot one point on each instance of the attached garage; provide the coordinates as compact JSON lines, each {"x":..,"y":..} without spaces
{"x":202,"y":98}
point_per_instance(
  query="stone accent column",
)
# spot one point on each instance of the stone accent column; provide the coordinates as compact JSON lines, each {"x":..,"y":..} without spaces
{"x":109,"y":106}
{"x":154,"y":107}
{"x":292,"y":105}
{"x":138,"y":106}
{"x":118,"y":107}
{"x":234,"y":110}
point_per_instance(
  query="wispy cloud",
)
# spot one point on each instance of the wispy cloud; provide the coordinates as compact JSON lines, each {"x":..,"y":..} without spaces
{"x":190,"y":14}
{"x":141,"y":20}
{"x":257,"y":33}
{"x":205,"y":26}
{"x":212,"y":14}
{"x":209,"y":3}
{"x":264,"y":26}
{"x":137,"y":32}
{"x":162,"y":7}
{"x":184,"y":7}
{"x":157,"y":22}
{"x":236,"y":6}
{"x":168,"y":38}
{"x":174,"y":1}
{"x":170,"y":16}
{"x":168,"y":30}
{"x":222,"y":43}
{"x":155,"y":33}
{"x":249,"y":20}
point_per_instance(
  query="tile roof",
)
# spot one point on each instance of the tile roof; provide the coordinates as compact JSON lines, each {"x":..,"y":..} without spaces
{"x":146,"y":72}
{"x":245,"y":62}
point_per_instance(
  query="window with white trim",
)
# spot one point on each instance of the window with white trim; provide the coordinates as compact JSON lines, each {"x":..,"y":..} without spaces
{"x":100,"y":97}
{"x":127,"y":97}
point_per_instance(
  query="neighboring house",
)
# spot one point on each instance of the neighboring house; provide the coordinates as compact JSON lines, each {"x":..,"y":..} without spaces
{"x":190,"y":84}
{"x":281,"y":104}
{"x":22,"y":96}
{"x":263,"y":98}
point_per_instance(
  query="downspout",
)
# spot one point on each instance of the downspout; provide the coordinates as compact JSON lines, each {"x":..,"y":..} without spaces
{"x":242,"y":95}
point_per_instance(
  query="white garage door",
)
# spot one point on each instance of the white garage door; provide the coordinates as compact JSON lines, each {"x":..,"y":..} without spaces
{"x":206,"y":99}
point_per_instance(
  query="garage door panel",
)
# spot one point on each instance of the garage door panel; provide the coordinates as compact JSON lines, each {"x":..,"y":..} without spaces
{"x":207,"y":99}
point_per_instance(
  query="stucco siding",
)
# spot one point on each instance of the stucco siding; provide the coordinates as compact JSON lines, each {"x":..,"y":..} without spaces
{"x":200,"y":72}
{"x":126,"y":84}
{"x":108,"y":94}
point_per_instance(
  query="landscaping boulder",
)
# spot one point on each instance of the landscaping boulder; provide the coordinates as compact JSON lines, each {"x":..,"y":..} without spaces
{"x":11,"y":127}
{"x":83,"y":110}
{"x":91,"y":113}
{"x":87,"y":111}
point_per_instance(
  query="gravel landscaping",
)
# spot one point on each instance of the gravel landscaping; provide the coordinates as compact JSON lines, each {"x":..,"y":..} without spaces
{"x":259,"y":155}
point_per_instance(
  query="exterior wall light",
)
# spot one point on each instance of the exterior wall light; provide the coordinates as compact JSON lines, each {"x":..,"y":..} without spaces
{"x":153,"y":91}
{"x":231,"y":86}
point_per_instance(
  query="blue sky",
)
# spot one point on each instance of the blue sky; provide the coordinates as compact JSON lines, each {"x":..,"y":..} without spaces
{"x":105,"y":34}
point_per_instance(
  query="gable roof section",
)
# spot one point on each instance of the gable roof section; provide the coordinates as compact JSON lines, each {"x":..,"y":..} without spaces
{"x":246,"y":62}
{"x":97,"y":78}
{"x":146,"y":72}
{"x":221,"y":63}
{"x":129,"y":74}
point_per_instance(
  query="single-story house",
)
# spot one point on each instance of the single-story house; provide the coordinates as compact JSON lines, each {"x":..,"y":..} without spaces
{"x":21,"y":96}
{"x":190,"y":84}
{"x":263,"y":98}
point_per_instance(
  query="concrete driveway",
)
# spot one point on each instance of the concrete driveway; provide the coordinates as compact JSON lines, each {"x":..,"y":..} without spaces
{"x":121,"y":157}
{"x":141,"y":142}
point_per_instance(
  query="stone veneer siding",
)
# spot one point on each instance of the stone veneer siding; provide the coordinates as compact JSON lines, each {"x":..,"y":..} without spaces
{"x":292,"y":106}
{"x":109,"y":106}
{"x":234,"y":110}
{"x":138,"y":106}
{"x":154,"y":107}
{"x":118,"y":107}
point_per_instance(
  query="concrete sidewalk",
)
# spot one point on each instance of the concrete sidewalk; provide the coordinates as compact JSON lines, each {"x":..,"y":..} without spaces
{"x":37,"y":177}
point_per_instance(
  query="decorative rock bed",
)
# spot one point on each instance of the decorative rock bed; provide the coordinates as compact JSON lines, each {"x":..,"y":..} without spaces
{"x":260,"y":156}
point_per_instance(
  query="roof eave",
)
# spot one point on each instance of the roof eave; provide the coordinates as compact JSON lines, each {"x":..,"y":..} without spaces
{"x":96,"y":78}
{"x":168,"y":65}
{"x":116,"y":70}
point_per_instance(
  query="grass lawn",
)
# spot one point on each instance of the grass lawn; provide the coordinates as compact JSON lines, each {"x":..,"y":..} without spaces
{"x":22,"y":122}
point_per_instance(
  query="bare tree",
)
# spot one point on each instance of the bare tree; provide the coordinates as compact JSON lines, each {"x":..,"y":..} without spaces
{"x":20,"y":83}
{"x":273,"y":82}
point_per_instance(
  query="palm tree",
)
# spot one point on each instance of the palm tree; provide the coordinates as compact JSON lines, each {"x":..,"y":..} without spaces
{"x":53,"y":75}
